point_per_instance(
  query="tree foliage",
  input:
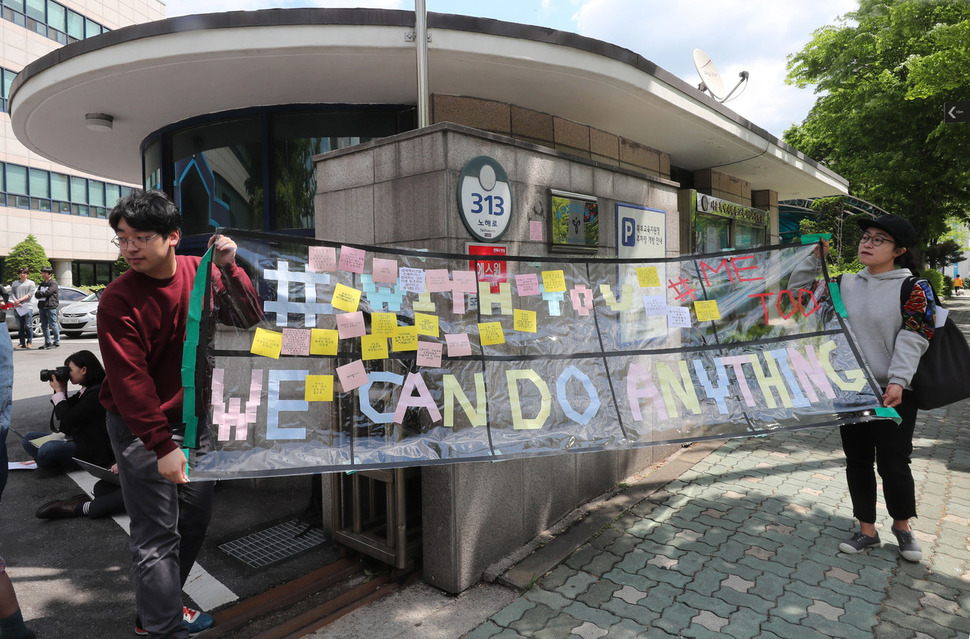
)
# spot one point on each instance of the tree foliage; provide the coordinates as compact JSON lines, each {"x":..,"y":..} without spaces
{"x":27,"y":253}
{"x":883,"y":73}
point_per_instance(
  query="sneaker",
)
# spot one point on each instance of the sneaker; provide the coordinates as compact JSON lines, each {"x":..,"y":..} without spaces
{"x":859,"y":542}
{"x":195,"y":621}
{"x":909,"y":548}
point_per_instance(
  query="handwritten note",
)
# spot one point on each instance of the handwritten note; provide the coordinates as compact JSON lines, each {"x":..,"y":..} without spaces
{"x":458,"y":344}
{"x":322,"y":259}
{"x":412,"y":279}
{"x":491,"y":333}
{"x":405,"y":339}
{"x":655,"y":304}
{"x":351,"y":259}
{"x":429,"y":354}
{"x":267,"y":343}
{"x":345,"y":298}
{"x":678,"y":317}
{"x":706,"y":310}
{"x":352,"y":375}
{"x":437,"y":280}
{"x":323,"y":341}
{"x":426,"y":324}
{"x":647,"y":276}
{"x":554,"y":281}
{"x":351,"y":325}
{"x":527,"y":284}
{"x":318,"y":388}
{"x":373,"y":347}
{"x":383,"y":270}
{"x":464,"y":282}
{"x":296,"y":341}
{"x":524,"y":321}
{"x":383,"y":324}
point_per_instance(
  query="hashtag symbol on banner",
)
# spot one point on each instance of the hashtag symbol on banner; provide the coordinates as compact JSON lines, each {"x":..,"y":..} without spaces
{"x":682,"y":289}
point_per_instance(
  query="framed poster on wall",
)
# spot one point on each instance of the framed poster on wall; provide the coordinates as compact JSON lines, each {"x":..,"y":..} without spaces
{"x":574,"y":224}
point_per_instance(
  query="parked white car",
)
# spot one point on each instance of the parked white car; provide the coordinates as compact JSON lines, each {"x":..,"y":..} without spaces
{"x":79,"y":317}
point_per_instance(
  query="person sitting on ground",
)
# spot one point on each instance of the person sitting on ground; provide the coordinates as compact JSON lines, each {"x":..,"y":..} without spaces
{"x":80,"y":418}
{"x":107,"y":501}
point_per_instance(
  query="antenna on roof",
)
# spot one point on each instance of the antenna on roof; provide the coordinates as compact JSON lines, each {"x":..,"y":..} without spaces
{"x":711,"y":80}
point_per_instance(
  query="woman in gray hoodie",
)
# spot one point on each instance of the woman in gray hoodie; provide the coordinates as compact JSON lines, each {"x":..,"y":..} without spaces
{"x":892,"y":337}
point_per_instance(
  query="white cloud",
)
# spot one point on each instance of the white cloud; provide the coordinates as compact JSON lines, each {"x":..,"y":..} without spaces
{"x":752,"y":35}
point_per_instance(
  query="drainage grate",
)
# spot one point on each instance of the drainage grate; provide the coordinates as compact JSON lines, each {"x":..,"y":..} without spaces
{"x":274,"y":544}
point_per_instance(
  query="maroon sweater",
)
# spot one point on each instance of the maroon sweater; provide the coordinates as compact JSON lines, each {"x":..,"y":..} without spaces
{"x":141,"y":330}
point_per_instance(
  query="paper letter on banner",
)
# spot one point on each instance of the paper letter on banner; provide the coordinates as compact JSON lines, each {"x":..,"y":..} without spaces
{"x":323,"y":341}
{"x":426,"y":324}
{"x":267,"y":343}
{"x":373,"y":347}
{"x":458,"y":345}
{"x":384,"y":270}
{"x":322,"y":259}
{"x":345,"y":298}
{"x":524,"y":321}
{"x":647,"y":276}
{"x":351,"y":260}
{"x":319,"y":388}
{"x":554,"y":281}
{"x":296,"y":341}
{"x":429,"y":354}
{"x":351,"y":325}
{"x":352,"y":375}
{"x":423,"y":399}
{"x":490,"y":333}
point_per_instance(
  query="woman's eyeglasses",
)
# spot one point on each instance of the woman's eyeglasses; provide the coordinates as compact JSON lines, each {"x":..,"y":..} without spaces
{"x":875,"y":240}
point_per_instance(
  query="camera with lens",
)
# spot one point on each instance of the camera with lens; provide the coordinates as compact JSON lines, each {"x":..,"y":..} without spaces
{"x":61,"y":373}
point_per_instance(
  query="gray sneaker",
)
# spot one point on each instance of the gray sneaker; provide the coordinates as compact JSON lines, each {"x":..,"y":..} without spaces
{"x":909,"y":548}
{"x":859,"y":542}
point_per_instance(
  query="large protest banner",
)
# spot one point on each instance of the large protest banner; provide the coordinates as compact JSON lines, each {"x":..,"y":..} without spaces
{"x":379,"y":357}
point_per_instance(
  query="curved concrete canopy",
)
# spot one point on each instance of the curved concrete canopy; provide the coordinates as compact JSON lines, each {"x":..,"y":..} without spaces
{"x":151,"y":75}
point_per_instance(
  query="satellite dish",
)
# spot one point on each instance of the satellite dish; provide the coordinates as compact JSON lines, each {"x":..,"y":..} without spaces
{"x":711,"y":80}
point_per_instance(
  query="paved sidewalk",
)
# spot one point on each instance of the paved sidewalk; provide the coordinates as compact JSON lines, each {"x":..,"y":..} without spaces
{"x":745,"y":544}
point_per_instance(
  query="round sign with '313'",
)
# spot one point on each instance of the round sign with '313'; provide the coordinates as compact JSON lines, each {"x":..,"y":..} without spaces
{"x":484,"y":198}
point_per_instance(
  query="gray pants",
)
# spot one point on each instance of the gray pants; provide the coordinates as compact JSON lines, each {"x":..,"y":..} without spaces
{"x":168,"y":524}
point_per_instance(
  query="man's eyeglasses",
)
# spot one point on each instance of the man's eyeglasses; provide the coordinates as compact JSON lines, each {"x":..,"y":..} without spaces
{"x":875,"y":240}
{"x":138,"y":242}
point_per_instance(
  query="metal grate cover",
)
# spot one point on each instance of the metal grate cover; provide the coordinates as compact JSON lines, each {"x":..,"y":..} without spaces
{"x":274,"y":544}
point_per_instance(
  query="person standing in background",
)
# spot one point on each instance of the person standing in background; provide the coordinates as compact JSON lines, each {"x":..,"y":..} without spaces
{"x":21,"y":292}
{"x":47,"y":306}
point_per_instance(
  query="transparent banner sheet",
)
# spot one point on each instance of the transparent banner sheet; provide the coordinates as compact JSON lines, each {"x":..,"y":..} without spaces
{"x":375,"y":357}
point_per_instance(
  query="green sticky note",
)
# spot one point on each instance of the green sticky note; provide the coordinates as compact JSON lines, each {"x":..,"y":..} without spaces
{"x":837,"y":299}
{"x":812,"y":238}
{"x":888,"y":413}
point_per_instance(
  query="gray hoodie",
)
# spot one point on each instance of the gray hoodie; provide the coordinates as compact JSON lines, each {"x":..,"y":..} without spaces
{"x":876,"y":321}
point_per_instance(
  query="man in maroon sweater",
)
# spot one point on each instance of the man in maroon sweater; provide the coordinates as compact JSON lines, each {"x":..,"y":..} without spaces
{"x":141,"y":329}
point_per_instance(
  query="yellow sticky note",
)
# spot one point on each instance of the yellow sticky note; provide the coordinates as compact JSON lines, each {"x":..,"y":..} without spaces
{"x":524,"y":321}
{"x":706,"y":310}
{"x":383,"y":324}
{"x":345,"y":298}
{"x":405,"y":339}
{"x":490,"y":333}
{"x":267,"y":343}
{"x":323,"y":341}
{"x":553,"y":281}
{"x":318,"y":388}
{"x":373,"y":347}
{"x":426,"y":324}
{"x":647,"y":276}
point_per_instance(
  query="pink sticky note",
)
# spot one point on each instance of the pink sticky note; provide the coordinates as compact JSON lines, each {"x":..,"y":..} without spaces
{"x":527,"y":284}
{"x":437,"y":280}
{"x":322,"y":259}
{"x":429,"y":354}
{"x":384,"y":270}
{"x":350,"y":325}
{"x":351,"y":259}
{"x":535,"y":231}
{"x":458,"y":345}
{"x":464,"y":282}
{"x":296,"y":341}
{"x":352,"y":375}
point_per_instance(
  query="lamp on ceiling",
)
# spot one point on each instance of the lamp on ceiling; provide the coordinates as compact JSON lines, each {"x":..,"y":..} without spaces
{"x":98,"y":121}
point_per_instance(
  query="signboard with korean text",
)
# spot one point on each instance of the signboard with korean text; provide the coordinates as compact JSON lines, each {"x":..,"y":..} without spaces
{"x":485,"y":199}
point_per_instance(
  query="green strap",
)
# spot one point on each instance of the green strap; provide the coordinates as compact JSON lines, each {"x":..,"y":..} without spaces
{"x":812,"y":238}
{"x":191,"y":348}
{"x":889,"y":413}
{"x":837,"y":299}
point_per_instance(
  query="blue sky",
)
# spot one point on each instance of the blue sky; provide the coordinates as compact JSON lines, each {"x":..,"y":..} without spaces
{"x":739,"y":35}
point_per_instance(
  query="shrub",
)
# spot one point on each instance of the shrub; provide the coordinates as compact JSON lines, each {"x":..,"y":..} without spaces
{"x":28,"y":253}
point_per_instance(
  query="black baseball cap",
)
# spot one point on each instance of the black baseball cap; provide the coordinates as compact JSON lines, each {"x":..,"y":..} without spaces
{"x":902,"y":231}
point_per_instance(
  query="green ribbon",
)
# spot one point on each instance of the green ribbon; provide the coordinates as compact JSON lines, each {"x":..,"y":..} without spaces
{"x":889,"y":413}
{"x":812,"y":238}
{"x":191,"y":348}
{"x":837,"y":299}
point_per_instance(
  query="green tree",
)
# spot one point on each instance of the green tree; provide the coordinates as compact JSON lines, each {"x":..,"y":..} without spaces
{"x":28,"y":253}
{"x":883,"y":73}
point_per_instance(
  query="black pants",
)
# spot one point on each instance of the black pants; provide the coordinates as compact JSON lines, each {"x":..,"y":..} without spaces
{"x":887,"y":446}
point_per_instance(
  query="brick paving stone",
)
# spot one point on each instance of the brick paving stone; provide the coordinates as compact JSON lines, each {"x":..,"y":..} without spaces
{"x":557,"y":576}
{"x":582,"y":556}
{"x":735,"y":582}
{"x":842,"y":575}
{"x":629,"y":594}
{"x":557,"y":628}
{"x":605,"y":538}
{"x":675,"y":618}
{"x":623,"y":544}
{"x":938,"y":602}
{"x":628,"y":629}
{"x":770,"y":566}
{"x":819,"y":593}
{"x":640,"y":614}
{"x":623,"y":578}
{"x":783,"y":628}
{"x":601,"y":563}
{"x":692,"y":563}
{"x":589,"y":631}
{"x":660,"y":597}
{"x":512,"y":612}
{"x":709,"y":620}
{"x":825,"y":610}
{"x":602,"y":618}
{"x":662,"y":561}
{"x":508,"y":633}
{"x":791,"y":607}
{"x":760,"y":553}
{"x":698,"y":601}
{"x":599,"y":593}
{"x":745,"y":600}
{"x":534,"y":619}
{"x":850,"y":590}
{"x":861,"y":614}
{"x":893,"y":617}
{"x":744,"y":624}
{"x":671,"y":577}
{"x":485,"y":631}
{"x":547,"y":598}
{"x":576,"y":584}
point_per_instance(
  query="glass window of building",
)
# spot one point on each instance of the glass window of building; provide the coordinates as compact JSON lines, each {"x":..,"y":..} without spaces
{"x":75,"y":25}
{"x":17,"y":186}
{"x":217,"y":176}
{"x":61,"y":193}
{"x":91,"y":28}
{"x":57,"y":16}
{"x":153,"y":166}
{"x":16,"y":5}
{"x":40,"y":189}
{"x":37,"y":10}
{"x":112,"y":193}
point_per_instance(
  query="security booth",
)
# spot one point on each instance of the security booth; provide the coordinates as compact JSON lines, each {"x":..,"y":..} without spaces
{"x":710,"y":224}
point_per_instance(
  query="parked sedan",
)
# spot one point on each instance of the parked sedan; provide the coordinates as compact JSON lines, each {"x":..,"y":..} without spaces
{"x":79,"y":317}
{"x":67,"y":295}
